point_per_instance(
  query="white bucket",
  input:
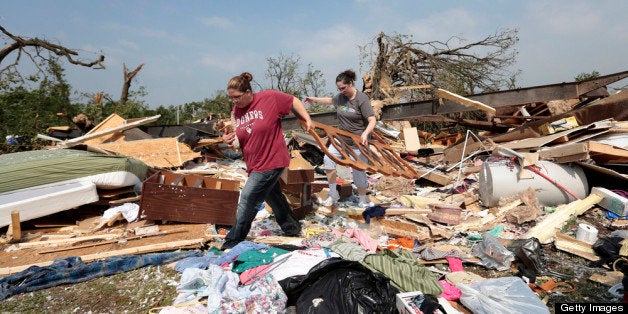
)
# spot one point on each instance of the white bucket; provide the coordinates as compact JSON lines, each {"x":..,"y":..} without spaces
{"x":499,"y":179}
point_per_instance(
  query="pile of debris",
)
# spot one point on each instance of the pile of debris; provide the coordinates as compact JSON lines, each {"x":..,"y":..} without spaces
{"x":487,"y":200}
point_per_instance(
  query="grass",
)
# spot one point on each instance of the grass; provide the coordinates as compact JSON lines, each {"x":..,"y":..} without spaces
{"x":135,"y":291}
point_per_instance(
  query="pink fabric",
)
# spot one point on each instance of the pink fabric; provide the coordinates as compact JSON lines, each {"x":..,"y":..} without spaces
{"x":450,"y":292}
{"x":251,"y":274}
{"x":360,"y":237}
{"x":455,"y":264}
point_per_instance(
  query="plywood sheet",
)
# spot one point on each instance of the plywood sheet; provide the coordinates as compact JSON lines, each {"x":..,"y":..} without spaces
{"x":159,"y":152}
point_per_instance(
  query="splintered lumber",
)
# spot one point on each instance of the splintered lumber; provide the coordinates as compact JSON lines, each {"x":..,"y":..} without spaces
{"x":158,"y":247}
{"x":38,"y":244}
{"x":417,"y":202}
{"x":142,"y":236}
{"x":464,"y":101}
{"x":574,"y":246}
{"x":547,"y":228}
{"x":406,"y":229}
{"x":111,"y":121}
{"x":600,"y":152}
{"x":81,"y":139}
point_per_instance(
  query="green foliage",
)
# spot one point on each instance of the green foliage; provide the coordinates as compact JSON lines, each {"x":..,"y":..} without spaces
{"x":587,"y":76}
{"x":27,"y":112}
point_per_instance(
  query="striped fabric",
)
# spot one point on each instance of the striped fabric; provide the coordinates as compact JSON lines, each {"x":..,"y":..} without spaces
{"x":404,"y":271}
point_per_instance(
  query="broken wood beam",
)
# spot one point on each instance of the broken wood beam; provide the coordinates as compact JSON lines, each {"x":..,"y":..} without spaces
{"x":546,"y":229}
{"x":464,"y":101}
{"x":151,"y":248}
{"x":114,"y":241}
{"x":37,"y":244}
{"x":574,"y":246}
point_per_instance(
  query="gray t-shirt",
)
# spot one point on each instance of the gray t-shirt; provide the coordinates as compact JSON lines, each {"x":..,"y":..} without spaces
{"x":353,"y":114}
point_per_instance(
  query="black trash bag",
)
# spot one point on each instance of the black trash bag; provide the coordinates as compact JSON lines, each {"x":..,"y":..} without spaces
{"x":529,"y":253}
{"x":336,"y":285}
{"x":608,"y":249}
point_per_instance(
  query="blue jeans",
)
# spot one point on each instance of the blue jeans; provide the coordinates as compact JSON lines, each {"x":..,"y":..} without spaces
{"x":260,"y":187}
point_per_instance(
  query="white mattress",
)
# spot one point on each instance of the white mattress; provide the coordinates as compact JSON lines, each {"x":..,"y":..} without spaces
{"x":113,"y":180}
{"x":46,"y":199}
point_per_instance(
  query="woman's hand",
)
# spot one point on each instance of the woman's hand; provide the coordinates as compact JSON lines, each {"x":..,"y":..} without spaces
{"x":308,"y":100}
{"x":308,"y":124}
{"x":365,"y":138}
{"x":229,"y":137}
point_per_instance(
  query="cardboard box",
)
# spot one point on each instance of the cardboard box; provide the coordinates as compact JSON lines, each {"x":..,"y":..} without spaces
{"x":190,"y":198}
{"x":294,"y":176}
{"x":612,"y":201}
{"x":559,"y":125}
{"x":299,"y":197}
{"x":404,"y":303}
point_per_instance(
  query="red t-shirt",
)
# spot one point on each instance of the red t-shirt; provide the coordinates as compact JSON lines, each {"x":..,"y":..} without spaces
{"x":258,"y":128}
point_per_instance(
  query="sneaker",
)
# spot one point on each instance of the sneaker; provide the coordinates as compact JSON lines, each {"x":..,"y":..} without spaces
{"x":365,"y":205}
{"x":331,"y":200}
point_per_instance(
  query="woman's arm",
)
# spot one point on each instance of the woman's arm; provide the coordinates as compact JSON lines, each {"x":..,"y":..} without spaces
{"x":369,"y":128}
{"x":299,"y":110}
{"x":320,"y":100}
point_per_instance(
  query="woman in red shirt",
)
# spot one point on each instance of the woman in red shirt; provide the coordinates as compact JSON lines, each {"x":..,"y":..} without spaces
{"x":258,"y":130}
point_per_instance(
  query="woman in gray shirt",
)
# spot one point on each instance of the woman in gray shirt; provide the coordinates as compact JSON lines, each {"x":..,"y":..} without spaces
{"x":355,"y":115}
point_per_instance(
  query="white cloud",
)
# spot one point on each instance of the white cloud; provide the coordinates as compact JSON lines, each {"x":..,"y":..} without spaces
{"x":443,"y":25}
{"x":216,"y":21}
{"x":335,"y":42}
{"x":231,"y":63}
{"x":565,"y":18}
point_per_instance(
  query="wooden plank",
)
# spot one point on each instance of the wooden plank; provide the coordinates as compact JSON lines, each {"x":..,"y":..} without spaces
{"x":600,"y":152}
{"x":404,"y":229}
{"x":39,"y":244}
{"x":159,"y":247}
{"x":81,"y":139}
{"x":607,"y":154}
{"x":16,"y":230}
{"x":571,"y":245}
{"x":465,"y":101}
{"x":111,"y":121}
{"x":411,"y":140}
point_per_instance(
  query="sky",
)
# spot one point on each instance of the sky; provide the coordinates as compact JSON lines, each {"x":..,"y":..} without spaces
{"x":190,"y":49}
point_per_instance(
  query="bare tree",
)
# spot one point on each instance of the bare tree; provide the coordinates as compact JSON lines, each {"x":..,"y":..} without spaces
{"x":463,"y":68}
{"x":34,"y":49}
{"x":312,"y":83}
{"x":283,"y":73}
{"x":128,"y":77}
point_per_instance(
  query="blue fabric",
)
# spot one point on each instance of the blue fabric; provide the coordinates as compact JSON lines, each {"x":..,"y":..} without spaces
{"x":373,"y":211}
{"x":73,"y":270}
{"x":201,"y":262}
{"x":239,"y":249}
